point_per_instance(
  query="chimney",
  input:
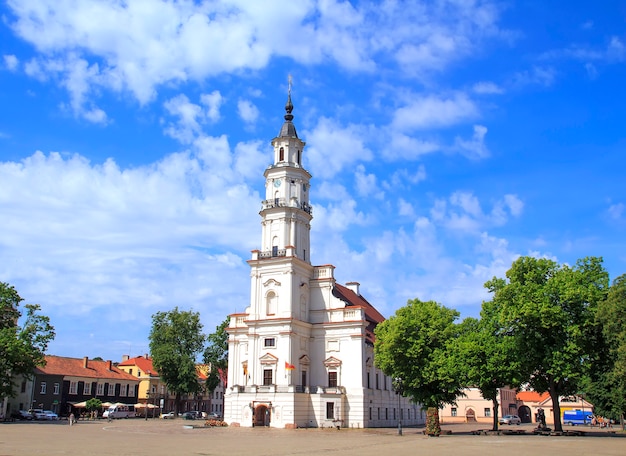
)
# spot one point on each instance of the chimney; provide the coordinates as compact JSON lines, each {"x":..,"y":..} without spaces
{"x":354,"y":286}
{"x":147,"y":357}
{"x":109,"y":365}
{"x":125,"y":358}
{"x":85,"y":361}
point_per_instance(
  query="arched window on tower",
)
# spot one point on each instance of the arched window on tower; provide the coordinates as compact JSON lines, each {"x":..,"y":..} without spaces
{"x":298,"y":157}
{"x":275,"y":246}
{"x":281,"y":154}
{"x":270,"y":303}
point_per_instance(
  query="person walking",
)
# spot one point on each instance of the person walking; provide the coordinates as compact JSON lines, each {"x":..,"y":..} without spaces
{"x":72,"y":419}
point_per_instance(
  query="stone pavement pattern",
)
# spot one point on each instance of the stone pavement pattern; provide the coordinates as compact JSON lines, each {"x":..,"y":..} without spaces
{"x":172,"y":438}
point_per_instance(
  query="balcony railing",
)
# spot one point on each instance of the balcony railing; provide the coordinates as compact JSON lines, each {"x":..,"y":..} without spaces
{"x":273,"y":253}
{"x":289,"y":389}
{"x":282,"y":202}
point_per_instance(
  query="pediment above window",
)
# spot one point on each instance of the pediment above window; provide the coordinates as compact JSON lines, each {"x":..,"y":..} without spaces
{"x":304,"y":359}
{"x":268,"y":359}
{"x":332,"y":362}
{"x":271,"y":282}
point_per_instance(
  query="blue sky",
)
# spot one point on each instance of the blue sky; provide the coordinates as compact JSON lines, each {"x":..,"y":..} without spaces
{"x":445,"y":139}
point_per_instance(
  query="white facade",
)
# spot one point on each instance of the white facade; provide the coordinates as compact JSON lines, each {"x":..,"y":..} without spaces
{"x":301,"y":355}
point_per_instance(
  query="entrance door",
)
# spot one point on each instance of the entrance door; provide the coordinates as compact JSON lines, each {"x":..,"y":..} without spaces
{"x":261,"y":416}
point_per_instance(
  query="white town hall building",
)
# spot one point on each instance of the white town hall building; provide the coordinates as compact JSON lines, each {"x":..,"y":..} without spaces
{"x":301,"y":355}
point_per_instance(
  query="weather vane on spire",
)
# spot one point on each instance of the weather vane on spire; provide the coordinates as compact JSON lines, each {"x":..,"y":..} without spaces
{"x":290,"y":80}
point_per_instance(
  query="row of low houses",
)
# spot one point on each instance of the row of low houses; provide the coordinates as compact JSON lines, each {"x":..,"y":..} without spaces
{"x":472,"y":407}
{"x":64,"y":384}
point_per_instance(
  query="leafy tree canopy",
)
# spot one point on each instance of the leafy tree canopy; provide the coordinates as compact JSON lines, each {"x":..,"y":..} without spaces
{"x":414,"y":346}
{"x":216,"y":355}
{"x":24,"y":339}
{"x":549,"y":310}
{"x":606,"y":384}
{"x":176,"y":340}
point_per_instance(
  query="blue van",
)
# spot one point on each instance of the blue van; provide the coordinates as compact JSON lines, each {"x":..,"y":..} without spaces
{"x":574,"y":417}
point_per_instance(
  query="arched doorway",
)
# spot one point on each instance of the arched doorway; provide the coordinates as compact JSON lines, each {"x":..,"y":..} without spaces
{"x":262,"y":415}
{"x":524,"y":414}
{"x":470,"y":416}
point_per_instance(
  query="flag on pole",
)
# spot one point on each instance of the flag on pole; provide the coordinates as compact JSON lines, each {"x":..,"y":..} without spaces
{"x":289,"y":366}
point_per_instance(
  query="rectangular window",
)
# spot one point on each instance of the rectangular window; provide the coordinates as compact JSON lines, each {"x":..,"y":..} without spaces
{"x":87,"y":389}
{"x":73,"y":387}
{"x":303,"y":378}
{"x":57,"y":388}
{"x":100,"y":389}
{"x":131,"y":390}
{"x":130,"y":371}
{"x":332,"y":378}
{"x":379,"y":413}
{"x":267,"y":377}
{"x":123,"y":390}
{"x":23,"y":390}
{"x":111,"y":389}
{"x":487,"y":412}
{"x":270,"y":342}
{"x":386,"y":413}
{"x":43,"y":388}
{"x":377,"y":384}
{"x":330,"y":410}
{"x":368,"y":381}
{"x":454,"y":411}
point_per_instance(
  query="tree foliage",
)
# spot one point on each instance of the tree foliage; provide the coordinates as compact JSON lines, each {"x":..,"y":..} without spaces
{"x":216,"y":355}
{"x":485,"y":359}
{"x":176,"y":340}
{"x":24,"y":339}
{"x":414,"y":345}
{"x":606,"y":384}
{"x":549,"y":310}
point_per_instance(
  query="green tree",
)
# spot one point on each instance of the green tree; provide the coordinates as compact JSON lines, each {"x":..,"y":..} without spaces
{"x":549,"y":312}
{"x":93,"y":405}
{"x":606,"y":385}
{"x":414,"y":346}
{"x":24,"y":339}
{"x":216,"y":356}
{"x":176,"y":340}
{"x":484,"y":358}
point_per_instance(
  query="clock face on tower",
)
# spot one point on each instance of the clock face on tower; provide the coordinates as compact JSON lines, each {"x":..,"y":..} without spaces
{"x":276,"y":183}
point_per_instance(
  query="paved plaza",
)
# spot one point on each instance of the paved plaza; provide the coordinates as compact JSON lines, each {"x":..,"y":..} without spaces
{"x":176,"y":437}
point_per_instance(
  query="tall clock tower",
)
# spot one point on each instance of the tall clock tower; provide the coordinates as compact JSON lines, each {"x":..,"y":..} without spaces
{"x":281,"y":269}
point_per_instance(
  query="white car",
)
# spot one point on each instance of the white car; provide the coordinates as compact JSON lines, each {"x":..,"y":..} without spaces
{"x":168,"y":415}
{"x":510,"y":419}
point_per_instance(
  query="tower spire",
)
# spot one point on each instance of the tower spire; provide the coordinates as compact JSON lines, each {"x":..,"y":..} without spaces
{"x":289,"y":105}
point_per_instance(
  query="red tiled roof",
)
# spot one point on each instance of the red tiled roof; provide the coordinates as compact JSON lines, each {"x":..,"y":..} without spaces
{"x":532,"y":396}
{"x":353,"y":299}
{"x":75,"y":367}
{"x":143,"y":363}
{"x":372,"y":315}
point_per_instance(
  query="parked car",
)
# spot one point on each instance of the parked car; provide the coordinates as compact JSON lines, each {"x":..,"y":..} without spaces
{"x":214,"y":416}
{"x":38,"y":414}
{"x":189,"y":416}
{"x":510,"y":419}
{"x":22,"y":415}
{"x":50,"y":415}
{"x":168,"y":415}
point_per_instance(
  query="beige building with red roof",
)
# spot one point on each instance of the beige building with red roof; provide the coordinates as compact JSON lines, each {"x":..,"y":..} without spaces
{"x":301,"y":355}
{"x":64,"y":381}
{"x":529,"y":403}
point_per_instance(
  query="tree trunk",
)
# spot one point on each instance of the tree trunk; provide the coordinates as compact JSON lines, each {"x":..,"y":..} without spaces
{"x":495,"y":414}
{"x":433,"y":427}
{"x":556,"y":407}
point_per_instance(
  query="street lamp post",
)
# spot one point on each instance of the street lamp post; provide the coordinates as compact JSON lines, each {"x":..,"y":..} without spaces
{"x":147,"y":400}
{"x":397,"y":384}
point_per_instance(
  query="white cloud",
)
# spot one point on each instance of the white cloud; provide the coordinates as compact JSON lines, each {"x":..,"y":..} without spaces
{"x":616,"y":211}
{"x":463,"y":212}
{"x":537,"y":75}
{"x":474,"y":148}
{"x":335,"y":147}
{"x":487,"y":88}
{"x":430,"y":111}
{"x":138,"y":47}
{"x":248,"y":112}
{"x":365,"y":183}
{"x":11,"y":62}
{"x":190,"y":117}
{"x":213,"y":101}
